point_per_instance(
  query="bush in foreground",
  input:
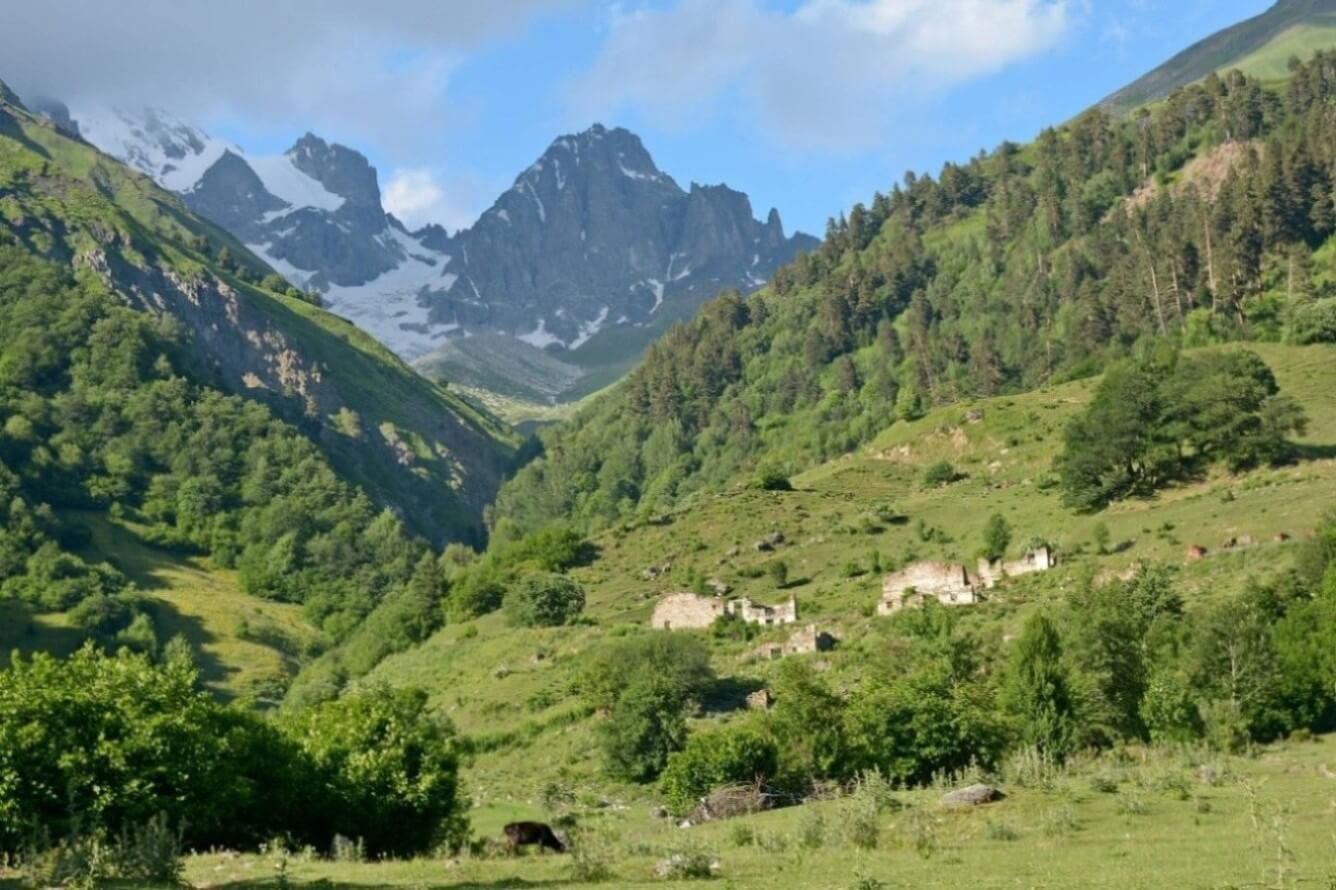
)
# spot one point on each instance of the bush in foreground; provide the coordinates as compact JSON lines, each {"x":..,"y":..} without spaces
{"x":97,"y":747}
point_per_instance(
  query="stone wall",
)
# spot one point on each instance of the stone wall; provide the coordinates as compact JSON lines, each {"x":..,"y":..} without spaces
{"x":765,"y":616}
{"x":951,"y":584}
{"x":804,"y":642}
{"x":1040,"y":560}
{"x":686,"y":611}
{"x":943,"y":581}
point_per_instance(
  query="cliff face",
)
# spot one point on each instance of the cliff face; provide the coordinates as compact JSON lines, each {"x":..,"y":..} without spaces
{"x":410,"y":444}
{"x":594,"y":236}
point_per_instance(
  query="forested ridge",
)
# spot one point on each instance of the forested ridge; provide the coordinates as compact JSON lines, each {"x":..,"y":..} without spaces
{"x":99,"y":411}
{"x":1202,"y":219}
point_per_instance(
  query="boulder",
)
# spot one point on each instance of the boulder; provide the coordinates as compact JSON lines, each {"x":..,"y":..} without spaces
{"x":972,"y":796}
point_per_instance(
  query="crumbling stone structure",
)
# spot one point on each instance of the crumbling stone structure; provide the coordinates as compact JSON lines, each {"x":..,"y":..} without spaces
{"x":951,"y":584}
{"x":688,"y":611}
{"x":806,"y":641}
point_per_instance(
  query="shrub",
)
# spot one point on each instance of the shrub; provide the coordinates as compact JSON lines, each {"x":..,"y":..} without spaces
{"x":811,"y":828}
{"x":544,"y":600}
{"x":771,"y":479}
{"x":939,"y":474}
{"x":647,"y":725}
{"x":1000,"y":830}
{"x":743,"y":835}
{"x":687,"y":864}
{"x":860,"y":822}
{"x":680,"y":660}
{"x":99,"y":746}
{"x":391,"y":770}
{"x":590,"y":856}
{"x":734,"y":756}
{"x":996,"y":538}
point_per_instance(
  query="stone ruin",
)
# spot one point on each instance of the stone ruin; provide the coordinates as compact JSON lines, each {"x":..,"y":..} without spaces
{"x":765,"y":616}
{"x":689,"y":611}
{"x":951,"y":583}
{"x":911,"y":587}
{"x":806,"y":641}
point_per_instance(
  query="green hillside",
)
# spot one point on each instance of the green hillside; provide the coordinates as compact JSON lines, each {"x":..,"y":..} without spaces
{"x":509,"y":689}
{"x":1022,"y":268}
{"x":1271,"y":62}
{"x":189,"y":448}
{"x":1261,"y":47}
{"x":407,"y":442}
{"x":246,"y":647}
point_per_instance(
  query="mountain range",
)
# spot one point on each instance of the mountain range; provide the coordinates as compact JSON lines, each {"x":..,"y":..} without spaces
{"x":591,"y":239}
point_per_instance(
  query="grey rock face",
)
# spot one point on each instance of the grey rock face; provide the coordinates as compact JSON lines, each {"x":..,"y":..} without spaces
{"x":347,"y":246}
{"x":593,"y":234}
{"x":232,"y":195}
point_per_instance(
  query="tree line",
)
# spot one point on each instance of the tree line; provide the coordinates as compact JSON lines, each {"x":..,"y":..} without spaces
{"x":1200,"y":221}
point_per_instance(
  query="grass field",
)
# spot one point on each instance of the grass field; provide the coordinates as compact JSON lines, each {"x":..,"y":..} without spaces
{"x":245,"y":646}
{"x":1136,"y":819}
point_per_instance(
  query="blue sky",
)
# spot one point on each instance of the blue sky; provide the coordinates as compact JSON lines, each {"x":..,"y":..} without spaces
{"x":806,"y":105}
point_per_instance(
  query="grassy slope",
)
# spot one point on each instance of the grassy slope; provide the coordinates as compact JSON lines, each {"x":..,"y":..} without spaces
{"x":1226,"y":49}
{"x":245,"y":646}
{"x":511,"y":687}
{"x":1271,"y":62}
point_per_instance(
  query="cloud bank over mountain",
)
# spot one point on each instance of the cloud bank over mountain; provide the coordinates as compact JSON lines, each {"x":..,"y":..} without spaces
{"x":811,"y":76}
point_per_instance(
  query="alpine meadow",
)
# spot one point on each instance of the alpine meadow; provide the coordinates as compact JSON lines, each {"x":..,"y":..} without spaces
{"x":613,"y":536}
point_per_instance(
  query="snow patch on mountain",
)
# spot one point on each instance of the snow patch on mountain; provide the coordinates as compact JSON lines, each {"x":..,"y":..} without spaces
{"x":539,"y":336}
{"x":284,"y":181}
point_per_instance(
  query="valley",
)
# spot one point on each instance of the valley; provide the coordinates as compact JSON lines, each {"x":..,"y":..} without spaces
{"x":987,"y":541}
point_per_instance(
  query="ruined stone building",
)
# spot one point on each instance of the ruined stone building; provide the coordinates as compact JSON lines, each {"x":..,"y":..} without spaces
{"x":947,"y":583}
{"x":688,"y":611}
{"x":951,"y":584}
{"x":766,"y":616}
{"x":806,"y":641}
{"x":1038,"y":560}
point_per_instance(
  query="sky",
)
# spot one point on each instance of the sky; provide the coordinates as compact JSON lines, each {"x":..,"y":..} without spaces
{"x":806,"y":105}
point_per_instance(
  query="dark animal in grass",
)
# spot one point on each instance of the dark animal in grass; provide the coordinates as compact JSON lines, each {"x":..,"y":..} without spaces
{"x":524,"y":834}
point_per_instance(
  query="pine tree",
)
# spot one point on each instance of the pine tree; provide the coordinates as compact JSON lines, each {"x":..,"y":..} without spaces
{"x":1037,"y":692}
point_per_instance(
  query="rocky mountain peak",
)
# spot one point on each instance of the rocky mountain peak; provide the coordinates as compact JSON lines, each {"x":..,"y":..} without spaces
{"x":345,"y":172}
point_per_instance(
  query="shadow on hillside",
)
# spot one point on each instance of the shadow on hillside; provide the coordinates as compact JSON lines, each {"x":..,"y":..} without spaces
{"x":1304,"y":452}
{"x":20,"y":631}
{"x":729,"y":694}
{"x":171,"y":623}
{"x":10,"y":128}
{"x":147,"y":567}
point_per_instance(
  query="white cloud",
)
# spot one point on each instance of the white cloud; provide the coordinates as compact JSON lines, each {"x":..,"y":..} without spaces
{"x":819,"y":77}
{"x":421,"y":195}
{"x":372,"y":72}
